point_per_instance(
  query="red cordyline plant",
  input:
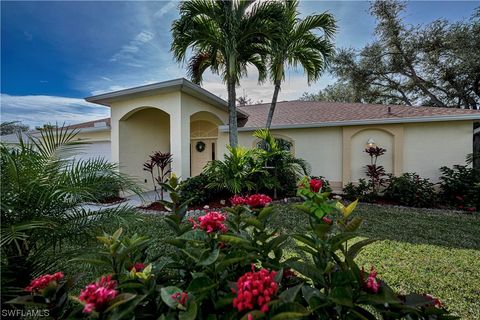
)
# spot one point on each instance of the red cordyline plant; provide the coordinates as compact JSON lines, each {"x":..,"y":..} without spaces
{"x":159,"y":162}
{"x":375,"y":172}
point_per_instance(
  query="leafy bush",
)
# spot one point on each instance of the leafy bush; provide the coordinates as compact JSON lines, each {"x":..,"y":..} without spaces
{"x":195,"y":189}
{"x":460,"y":187}
{"x":231,"y":266}
{"x":43,"y":188}
{"x":360,"y":191}
{"x":411,"y":190}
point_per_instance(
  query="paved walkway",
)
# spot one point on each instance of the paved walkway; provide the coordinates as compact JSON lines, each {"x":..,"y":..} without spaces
{"x":133,"y":201}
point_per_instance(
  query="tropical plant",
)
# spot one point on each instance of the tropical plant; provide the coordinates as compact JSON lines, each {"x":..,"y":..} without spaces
{"x":297,"y":44}
{"x":9,"y":127}
{"x":460,"y":187}
{"x":237,"y":173}
{"x":195,"y":189}
{"x":232,"y":266}
{"x":360,"y":191}
{"x":161,"y":161}
{"x":43,"y":189}
{"x":374,"y":172}
{"x":227,"y":37}
{"x":411,"y":190}
{"x":283,"y":168}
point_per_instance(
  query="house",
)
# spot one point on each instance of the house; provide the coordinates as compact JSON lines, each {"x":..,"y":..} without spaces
{"x":96,"y":134}
{"x":192,"y":123}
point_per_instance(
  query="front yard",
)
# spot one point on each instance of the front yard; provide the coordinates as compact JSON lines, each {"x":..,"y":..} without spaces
{"x":421,"y":250}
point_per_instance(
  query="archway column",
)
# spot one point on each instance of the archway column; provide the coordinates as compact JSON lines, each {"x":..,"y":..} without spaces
{"x":180,"y":143}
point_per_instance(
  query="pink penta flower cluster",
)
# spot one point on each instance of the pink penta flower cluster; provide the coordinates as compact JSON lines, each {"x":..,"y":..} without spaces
{"x":254,"y":290}
{"x":211,"y":222}
{"x":316,"y":185}
{"x":97,"y":295}
{"x":253,"y":201}
{"x":371,"y":284}
{"x":180,"y":297}
{"x":40,"y":283}
{"x":327,"y":220}
{"x":138,"y":266}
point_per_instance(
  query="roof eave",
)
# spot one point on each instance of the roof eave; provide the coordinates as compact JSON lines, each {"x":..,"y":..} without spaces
{"x":362,"y":122}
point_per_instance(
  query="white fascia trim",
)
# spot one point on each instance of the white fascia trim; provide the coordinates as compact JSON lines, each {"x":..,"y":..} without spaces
{"x":361,"y":122}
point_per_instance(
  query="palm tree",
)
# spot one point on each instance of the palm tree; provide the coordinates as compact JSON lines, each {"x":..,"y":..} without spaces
{"x":227,"y":37}
{"x":43,"y":189}
{"x":298,"y":44}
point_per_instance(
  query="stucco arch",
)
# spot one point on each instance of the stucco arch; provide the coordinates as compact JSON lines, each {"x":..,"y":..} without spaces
{"x":127,"y":114}
{"x":390,"y":137}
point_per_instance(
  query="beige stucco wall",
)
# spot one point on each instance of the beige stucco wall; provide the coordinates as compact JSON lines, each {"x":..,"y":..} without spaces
{"x":428,"y":146}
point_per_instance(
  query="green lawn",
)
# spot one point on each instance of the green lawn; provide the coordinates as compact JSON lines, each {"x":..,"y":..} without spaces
{"x":421,"y":250}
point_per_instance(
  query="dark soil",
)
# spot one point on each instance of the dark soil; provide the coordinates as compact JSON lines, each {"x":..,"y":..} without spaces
{"x":155,"y":206}
{"x":112,"y":200}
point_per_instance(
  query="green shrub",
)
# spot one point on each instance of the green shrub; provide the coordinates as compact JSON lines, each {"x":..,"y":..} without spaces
{"x":232,"y":266}
{"x":360,"y":191}
{"x":460,"y":187}
{"x":411,"y":190}
{"x":195,"y":189}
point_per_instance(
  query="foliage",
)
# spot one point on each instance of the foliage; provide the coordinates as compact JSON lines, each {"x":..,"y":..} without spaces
{"x":225,"y":37}
{"x":437,"y":64}
{"x":9,"y":127}
{"x":237,"y":173}
{"x":360,"y":190}
{"x":296,"y":43}
{"x":337,"y":92}
{"x":43,"y":189}
{"x":374,"y":172}
{"x":207,"y":275}
{"x":195,"y":189}
{"x":460,"y":187}
{"x":411,"y":190}
{"x":161,"y":161}
{"x":282,"y":167}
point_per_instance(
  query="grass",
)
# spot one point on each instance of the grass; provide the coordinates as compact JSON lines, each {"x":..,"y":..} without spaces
{"x":421,"y":250}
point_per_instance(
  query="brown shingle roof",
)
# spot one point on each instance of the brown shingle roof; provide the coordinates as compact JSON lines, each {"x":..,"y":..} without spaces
{"x":89,"y":124}
{"x":311,"y":112}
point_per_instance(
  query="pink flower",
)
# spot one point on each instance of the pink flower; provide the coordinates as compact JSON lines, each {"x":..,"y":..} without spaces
{"x":211,"y":222}
{"x":40,"y":283}
{"x":180,"y":297}
{"x":327,"y":220}
{"x":316,"y":185}
{"x":237,"y":200}
{"x":138,"y":266}
{"x":97,"y":295}
{"x":372,"y":284}
{"x":254,"y":290}
{"x":435,"y":301}
{"x":471,"y":209}
{"x":257,"y":200}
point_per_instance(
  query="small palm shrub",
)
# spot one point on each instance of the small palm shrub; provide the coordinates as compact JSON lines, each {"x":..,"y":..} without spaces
{"x":195,"y":190}
{"x":229,"y":265}
{"x":43,"y":188}
{"x":460,"y":186}
{"x":411,"y":190}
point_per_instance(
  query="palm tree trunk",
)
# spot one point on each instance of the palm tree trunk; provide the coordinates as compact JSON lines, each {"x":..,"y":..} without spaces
{"x":273,"y":104}
{"x":232,"y":113}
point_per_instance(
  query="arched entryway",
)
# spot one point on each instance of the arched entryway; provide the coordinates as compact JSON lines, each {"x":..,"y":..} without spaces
{"x":141,"y":132}
{"x":203,"y":140}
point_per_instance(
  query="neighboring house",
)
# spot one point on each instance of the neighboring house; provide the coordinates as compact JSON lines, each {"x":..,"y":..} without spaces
{"x":192,"y":123}
{"x":95,"y":134}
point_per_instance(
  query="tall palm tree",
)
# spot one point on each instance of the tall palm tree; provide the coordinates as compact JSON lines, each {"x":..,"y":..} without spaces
{"x":298,"y":44}
{"x":225,"y":36}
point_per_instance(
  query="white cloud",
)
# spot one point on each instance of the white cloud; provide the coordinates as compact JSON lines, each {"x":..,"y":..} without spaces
{"x":127,"y":51}
{"x":36,"y":110}
{"x":166,"y":8}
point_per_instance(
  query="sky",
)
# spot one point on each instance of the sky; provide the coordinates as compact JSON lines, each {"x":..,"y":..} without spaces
{"x":54,"y":54}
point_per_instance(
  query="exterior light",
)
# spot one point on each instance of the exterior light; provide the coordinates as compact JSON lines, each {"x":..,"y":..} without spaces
{"x":371,"y":143}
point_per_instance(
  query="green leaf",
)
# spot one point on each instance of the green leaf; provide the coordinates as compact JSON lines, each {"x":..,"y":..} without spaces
{"x":265,"y":213}
{"x":194,"y":235}
{"x":355,"y":249}
{"x":210,"y":257}
{"x":290,"y":294}
{"x":190,"y":313}
{"x":304,"y":239}
{"x":307,"y":270}
{"x":201,"y":284}
{"x":354,"y":224}
{"x":166,"y":294}
{"x":119,"y":300}
{"x":289,"y":315}
{"x":252,"y":221}
{"x":233,"y":239}
{"x":342,"y":296}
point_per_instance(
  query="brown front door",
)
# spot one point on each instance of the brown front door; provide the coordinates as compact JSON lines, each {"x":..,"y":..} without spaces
{"x":202,"y":151}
